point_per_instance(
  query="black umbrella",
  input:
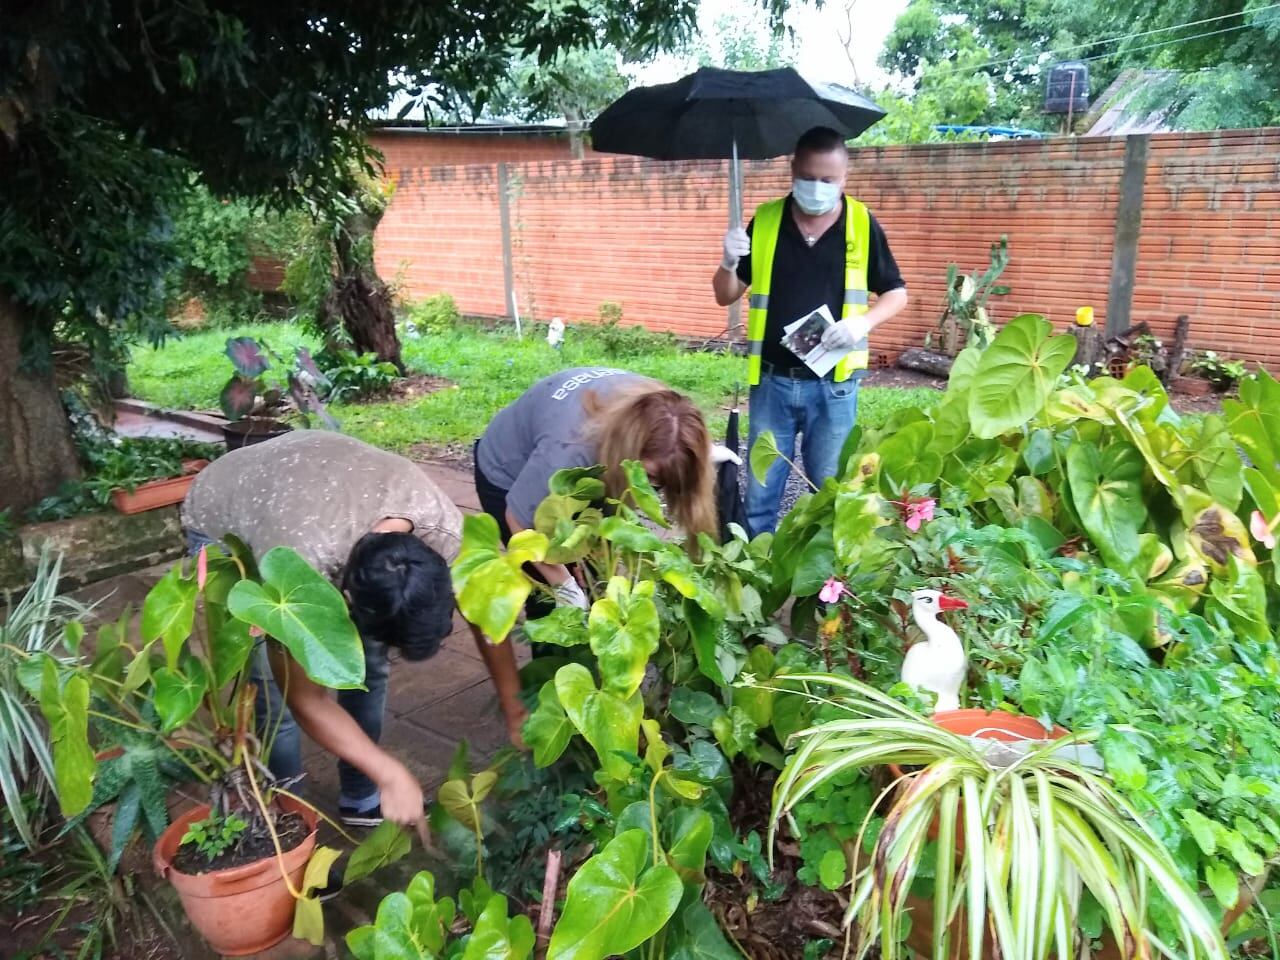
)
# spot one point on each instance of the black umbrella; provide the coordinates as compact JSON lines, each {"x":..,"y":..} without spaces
{"x":717,"y":114}
{"x":728,"y":488}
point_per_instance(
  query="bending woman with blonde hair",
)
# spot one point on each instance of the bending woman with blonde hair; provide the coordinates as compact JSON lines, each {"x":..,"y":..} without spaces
{"x":580,"y":418}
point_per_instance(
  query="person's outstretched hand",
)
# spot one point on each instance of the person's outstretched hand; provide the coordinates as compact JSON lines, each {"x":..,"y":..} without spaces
{"x":569,"y":594}
{"x":736,"y":246}
{"x":515,"y":728}
{"x":402,"y":800}
{"x":846,"y":334}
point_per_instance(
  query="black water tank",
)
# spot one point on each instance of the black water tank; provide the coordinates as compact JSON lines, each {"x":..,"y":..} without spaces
{"x":1060,"y":96}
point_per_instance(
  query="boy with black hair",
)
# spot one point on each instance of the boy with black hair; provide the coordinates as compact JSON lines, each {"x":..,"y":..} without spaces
{"x":380,"y":530}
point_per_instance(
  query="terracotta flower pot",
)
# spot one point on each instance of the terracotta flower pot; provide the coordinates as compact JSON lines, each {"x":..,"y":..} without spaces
{"x":1192,"y":386}
{"x":156,"y":493}
{"x":251,"y":430}
{"x":244,"y":909}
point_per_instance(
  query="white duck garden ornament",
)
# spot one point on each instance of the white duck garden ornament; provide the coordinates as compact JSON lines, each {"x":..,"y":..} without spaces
{"x":938,"y":664}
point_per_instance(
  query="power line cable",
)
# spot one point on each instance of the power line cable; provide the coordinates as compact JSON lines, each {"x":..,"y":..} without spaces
{"x":1128,"y":36}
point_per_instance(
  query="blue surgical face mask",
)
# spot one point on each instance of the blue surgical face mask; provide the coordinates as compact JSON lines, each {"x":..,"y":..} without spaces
{"x":815,"y":197}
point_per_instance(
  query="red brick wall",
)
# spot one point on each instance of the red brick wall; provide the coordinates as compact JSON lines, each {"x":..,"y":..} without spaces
{"x":646,"y":234}
{"x":410,"y":149}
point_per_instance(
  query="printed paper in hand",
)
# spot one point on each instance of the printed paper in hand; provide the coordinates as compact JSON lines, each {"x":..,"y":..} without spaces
{"x":804,"y":339}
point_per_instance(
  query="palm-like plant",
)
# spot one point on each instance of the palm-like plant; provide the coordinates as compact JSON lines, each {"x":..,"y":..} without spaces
{"x":1016,"y":844}
{"x":32,"y":629}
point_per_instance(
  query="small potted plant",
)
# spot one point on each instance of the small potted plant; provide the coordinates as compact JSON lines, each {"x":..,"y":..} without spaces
{"x":254,"y":402}
{"x":146,"y":473}
{"x":237,"y":861}
{"x":1222,"y":374}
{"x":1021,"y":834}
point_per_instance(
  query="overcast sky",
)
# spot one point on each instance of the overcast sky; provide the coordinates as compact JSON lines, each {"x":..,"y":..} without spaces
{"x":819,"y":39}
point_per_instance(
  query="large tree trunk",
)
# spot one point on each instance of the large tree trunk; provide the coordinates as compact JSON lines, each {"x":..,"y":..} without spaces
{"x":36,"y":450}
{"x":358,"y":301}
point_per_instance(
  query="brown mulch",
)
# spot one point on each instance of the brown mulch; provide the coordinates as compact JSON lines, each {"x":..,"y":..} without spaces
{"x":777,"y":929}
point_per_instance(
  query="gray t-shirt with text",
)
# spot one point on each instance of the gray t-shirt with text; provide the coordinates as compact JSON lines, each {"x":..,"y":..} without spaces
{"x":541,"y":433}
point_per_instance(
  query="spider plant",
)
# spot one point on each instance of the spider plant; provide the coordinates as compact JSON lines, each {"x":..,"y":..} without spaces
{"x":32,"y":628}
{"x":1016,"y":844}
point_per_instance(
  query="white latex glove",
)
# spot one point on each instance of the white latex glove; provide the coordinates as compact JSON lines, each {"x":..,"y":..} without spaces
{"x":736,"y":246}
{"x":722,"y":454}
{"x":844,"y":334}
{"x":569,"y":594}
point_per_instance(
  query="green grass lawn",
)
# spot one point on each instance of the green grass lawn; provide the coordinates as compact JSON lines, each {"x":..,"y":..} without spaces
{"x":489,"y":367}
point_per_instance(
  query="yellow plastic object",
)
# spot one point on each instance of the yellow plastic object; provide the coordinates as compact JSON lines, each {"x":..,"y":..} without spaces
{"x":1084,"y":316}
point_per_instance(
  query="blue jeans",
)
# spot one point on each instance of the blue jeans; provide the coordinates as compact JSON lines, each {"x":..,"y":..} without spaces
{"x":821,"y":411}
{"x":365,"y":706}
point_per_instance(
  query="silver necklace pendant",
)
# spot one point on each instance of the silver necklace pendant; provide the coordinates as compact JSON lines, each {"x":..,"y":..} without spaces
{"x":810,"y":240}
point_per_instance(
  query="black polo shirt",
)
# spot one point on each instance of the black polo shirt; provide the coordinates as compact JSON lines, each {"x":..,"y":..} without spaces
{"x":806,"y":277}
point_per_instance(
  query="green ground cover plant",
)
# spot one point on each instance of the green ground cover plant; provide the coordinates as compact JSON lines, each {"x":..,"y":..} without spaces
{"x":1115,"y":589}
{"x":490,"y":368}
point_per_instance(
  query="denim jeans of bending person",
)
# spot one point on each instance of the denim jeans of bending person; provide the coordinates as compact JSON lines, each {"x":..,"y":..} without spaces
{"x":358,"y":792}
{"x":366,"y":707}
{"x":821,"y":412}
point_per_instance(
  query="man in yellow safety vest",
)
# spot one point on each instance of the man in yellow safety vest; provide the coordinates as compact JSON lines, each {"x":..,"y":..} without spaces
{"x":813,"y":247}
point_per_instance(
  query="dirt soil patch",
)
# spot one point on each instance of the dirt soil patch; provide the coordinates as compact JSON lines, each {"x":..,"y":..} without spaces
{"x":290,"y":827}
{"x":410,"y":387}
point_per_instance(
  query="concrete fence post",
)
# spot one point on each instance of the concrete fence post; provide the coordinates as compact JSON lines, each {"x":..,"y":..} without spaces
{"x":1124,"y":251}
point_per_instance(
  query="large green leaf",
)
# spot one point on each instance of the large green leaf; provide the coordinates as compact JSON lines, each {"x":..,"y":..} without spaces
{"x":168,"y":613}
{"x":562,"y":627}
{"x":817,"y":564}
{"x":1215,"y":533}
{"x":1254,"y":422}
{"x":908,"y":459}
{"x":1016,"y":374}
{"x":178,"y":693}
{"x":386,"y":844}
{"x":308,"y":917}
{"x":963,"y":369}
{"x":297,"y":606}
{"x":623,"y":628}
{"x":497,"y":937}
{"x":489,"y":584}
{"x":463,"y":802}
{"x":1202,"y":455}
{"x":66,"y":709}
{"x":699,"y":937}
{"x":688,"y":837}
{"x":1106,"y":488}
{"x":977,"y":465}
{"x":642,"y":492}
{"x":614,"y":902}
{"x":857,"y":517}
{"x":609,"y":723}
{"x":1241,"y":599}
{"x":764,"y":454}
{"x":548,"y":729}
{"x":629,"y":535}
{"x":231,"y":649}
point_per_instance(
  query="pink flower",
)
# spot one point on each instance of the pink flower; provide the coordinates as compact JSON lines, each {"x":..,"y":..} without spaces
{"x":832,"y":591}
{"x":1262,"y":530}
{"x":202,"y":567}
{"x":919,"y":512}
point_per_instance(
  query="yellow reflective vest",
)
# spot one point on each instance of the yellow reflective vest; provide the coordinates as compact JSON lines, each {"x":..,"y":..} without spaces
{"x":764,"y":241}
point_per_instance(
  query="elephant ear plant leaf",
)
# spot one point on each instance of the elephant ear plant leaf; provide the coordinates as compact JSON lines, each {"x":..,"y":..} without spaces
{"x":1016,"y":374}
{"x":489,"y":583}
{"x":616,"y":901}
{"x":1016,"y":846}
{"x":303,"y":611}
